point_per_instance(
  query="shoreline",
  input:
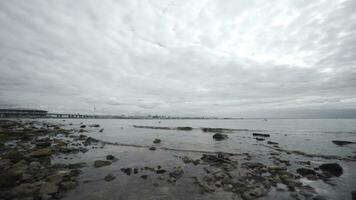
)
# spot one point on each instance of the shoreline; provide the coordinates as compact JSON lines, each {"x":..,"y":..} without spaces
{"x":27,"y":146}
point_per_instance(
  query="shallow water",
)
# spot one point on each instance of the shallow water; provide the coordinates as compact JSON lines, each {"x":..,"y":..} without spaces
{"x":307,"y":135}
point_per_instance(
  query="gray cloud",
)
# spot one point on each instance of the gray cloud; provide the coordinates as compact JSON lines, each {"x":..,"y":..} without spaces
{"x":205,"y":57}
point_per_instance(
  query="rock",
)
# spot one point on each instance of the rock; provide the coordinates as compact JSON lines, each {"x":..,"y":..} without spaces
{"x":44,"y":142}
{"x":109,"y":177}
{"x":101,"y":163}
{"x":156,"y":141}
{"x":353,"y":194}
{"x":273,"y":143}
{"x":220,"y":136}
{"x":260,"y":139}
{"x":94,"y":125}
{"x":342,"y":143}
{"x":110,"y":157}
{"x":24,"y":190}
{"x":14,"y":156}
{"x":34,"y":165}
{"x":5,"y":164}
{"x":160,"y":171}
{"x":252,"y":165}
{"x":152,"y":148}
{"x":305,"y":171}
{"x":45,"y":152}
{"x":83,"y":126}
{"x":176,"y":174}
{"x":332,"y":168}
{"x":101,"y":130}
{"x":8,"y":179}
{"x":127,"y":171}
{"x":185,"y":128}
{"x":68,"y":185}
{"x":48,"y":188}
{"x":260,"y":135}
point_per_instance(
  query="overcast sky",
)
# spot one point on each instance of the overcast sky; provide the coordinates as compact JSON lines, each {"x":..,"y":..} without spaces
{"x":203,"y":57}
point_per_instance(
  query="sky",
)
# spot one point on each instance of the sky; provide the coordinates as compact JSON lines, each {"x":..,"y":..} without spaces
{"x":246,"y":58}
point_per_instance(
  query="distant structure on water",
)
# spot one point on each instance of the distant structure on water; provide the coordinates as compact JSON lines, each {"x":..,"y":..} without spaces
{"x":22,"y":113}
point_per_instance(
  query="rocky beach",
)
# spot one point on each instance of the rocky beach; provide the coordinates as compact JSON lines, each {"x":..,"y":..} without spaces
{"x":63,"y":159}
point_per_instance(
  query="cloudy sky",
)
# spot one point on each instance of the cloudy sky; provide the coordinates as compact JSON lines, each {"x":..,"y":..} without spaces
{"x":204,"y":57}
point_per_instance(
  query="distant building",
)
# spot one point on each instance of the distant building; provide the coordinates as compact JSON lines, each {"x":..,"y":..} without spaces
{"x":22,"y":113}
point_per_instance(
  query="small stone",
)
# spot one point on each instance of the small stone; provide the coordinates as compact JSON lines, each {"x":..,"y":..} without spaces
{"x":152,"y":148}
{"x":176,"y":174}
{"x":220,"y":136}
{"x":48,"y":188}
{"x":45,"y":152}
{"x":127,"y":171}
{"x":68,"y":185}
{"x":342,"y":143}
{"x":34,"y":165}
{"x":156,"y":141}
{"x":109,"y":177}
{"x":101,"y":163}
{"x":14,"y":156}
{"x":160,"y":171}
{"x":83,"y":126}
{"x":305,"y":171}
{"x":110,"y":157}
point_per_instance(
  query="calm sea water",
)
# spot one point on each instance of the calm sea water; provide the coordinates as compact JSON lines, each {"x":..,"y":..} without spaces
{"x":307,"y":135}
{"x":311,"y":135}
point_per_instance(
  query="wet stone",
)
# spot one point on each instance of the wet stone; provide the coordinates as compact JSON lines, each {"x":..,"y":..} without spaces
{"x":220,"y":136}
{"x":110,"y":157}
{"x":156,"y":141}
{"x":332,"y":168}
{"x":109,"y":177}
{"x":101,"y":163}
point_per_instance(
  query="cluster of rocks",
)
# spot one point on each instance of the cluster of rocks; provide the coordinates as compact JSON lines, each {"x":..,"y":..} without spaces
{"x":26,"y":150}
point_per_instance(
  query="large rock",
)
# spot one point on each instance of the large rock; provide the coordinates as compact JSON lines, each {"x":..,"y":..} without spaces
{"x":342,"y":143}
{"x":220,"y":136}
{"x":101,"y":163}
{"x":332,"y":168}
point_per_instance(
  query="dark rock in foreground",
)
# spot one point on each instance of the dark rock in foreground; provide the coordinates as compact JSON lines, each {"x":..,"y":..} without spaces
{"x":332,"y":168}
{"x":342,"y":143}
{"x":220,"y":136}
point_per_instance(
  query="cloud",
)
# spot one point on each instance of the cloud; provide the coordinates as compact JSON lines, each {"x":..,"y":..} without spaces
{"x":207,"y":57}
